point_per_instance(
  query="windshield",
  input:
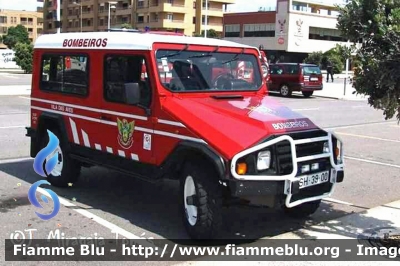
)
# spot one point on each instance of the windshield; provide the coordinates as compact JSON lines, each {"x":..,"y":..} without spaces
{"x":184,"y":71}
{"x":309,"y":70}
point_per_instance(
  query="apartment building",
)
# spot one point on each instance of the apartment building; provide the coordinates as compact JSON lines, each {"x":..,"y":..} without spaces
{"x":289,"y":33}
{"x":184,"y":16}
{"x":32,"y":20}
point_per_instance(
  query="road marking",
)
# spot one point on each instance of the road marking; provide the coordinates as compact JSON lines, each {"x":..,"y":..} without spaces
{"x":15,"y":160}
{"x":338,"y":201}
{"x":373,"y":162}
{"x":11,"y":127}
{"x":306,"y":109}
{"x":367,"y":137}
{"x":360,"y":125}
{"x":114,"y":228}
{"x":23,"y":97}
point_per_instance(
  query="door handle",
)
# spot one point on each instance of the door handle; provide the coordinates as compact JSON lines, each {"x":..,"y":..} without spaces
{"x":104,"y":117}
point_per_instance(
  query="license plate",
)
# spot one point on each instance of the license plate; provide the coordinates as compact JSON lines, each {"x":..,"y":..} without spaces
{"x":314,"y":179}
{"x":314,"y":79}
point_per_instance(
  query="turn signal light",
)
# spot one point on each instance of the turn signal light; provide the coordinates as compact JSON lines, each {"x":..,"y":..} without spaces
{"x":241,"y":168}
{"x":337,"y":152}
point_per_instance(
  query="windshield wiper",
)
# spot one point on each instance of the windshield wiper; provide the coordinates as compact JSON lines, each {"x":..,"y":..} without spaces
{"x":175,"y":54}
{"x":234,"y":58}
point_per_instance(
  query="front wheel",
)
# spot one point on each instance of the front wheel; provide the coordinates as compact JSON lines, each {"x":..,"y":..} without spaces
{"x":307,"y":93}
{"x":303,"y":210}
{"x":201,"y":199}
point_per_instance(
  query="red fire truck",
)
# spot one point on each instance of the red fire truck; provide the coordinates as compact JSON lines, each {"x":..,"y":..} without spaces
{"x":158,"y":106}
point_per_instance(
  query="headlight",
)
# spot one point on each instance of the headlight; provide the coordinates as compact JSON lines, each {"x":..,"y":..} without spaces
{"x":263,"y":160}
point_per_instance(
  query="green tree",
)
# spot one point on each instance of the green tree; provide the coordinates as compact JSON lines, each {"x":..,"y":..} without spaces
{"x":17,"y":34}
{"x":211,"y":33}
{"x":126,"y":26}
{"x":314,"y":58}
{"x":376,"y":25}
{"x":24,"y":56}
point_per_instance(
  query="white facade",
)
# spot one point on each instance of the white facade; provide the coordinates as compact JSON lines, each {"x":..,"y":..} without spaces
{"x":295,"y":20}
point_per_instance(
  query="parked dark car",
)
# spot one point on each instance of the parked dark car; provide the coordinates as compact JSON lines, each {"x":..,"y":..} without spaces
{"x":289,"y":77}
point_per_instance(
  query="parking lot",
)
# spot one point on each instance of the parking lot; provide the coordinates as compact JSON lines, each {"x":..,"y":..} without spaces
{"x":107,"y":204}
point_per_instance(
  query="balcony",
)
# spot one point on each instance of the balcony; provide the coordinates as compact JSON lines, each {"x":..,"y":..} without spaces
{"x":174,"y":8}
{"x":87,"y":14}
{"x":124,"y":11}
{"x":214,"y":12}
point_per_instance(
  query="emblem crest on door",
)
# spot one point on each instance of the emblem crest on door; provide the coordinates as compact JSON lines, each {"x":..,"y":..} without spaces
{"x":125,"y":133}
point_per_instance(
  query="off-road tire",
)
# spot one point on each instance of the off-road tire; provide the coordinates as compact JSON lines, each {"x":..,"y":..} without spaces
{"x":285,"y":90}
{"x":302,"y":211}
{"x":71,"y":168}
{"x":207,"y":199}
{"x":307,"y":94}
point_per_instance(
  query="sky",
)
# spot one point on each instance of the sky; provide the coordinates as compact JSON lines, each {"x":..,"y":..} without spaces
{"x":240,"y":6}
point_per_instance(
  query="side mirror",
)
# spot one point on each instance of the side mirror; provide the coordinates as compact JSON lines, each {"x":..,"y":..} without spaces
{"x":265,"y":70}
{"x":132,"y":93}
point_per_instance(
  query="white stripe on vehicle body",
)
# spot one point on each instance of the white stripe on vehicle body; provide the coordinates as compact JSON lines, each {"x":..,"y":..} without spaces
{"x":161,"y":121}
{"x":74,"y":131}
{"x":147,"y":130}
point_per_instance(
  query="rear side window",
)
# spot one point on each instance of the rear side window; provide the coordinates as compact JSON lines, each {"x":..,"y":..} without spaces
{"x":65,"y":74}
{"x":292,"y":69}
{"x":309,"y":70}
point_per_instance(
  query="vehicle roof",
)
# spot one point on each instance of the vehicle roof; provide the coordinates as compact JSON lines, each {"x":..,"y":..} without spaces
{"x":127,"y":40}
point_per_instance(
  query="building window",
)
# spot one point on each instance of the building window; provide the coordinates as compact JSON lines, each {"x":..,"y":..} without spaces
{"x":76,"y":24}
{"x":194,"y":20}
{"x":232,"y":30}
{"x":140,"y":19}
{"x":259,"y":30}
{"x":101,"y":22}
{"x":325,"y":34}
{"x":170,"y":16}
{"x":65,"y":74}
{"x":208,"y":4}
{"x":69,"y":24}
{"x":3,"y":19}
{"x":123,"y":71}
{"x":3,"y":29}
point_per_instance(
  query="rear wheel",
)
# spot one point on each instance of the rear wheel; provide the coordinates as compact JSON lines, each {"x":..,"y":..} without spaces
{"x":66,"y":170}
{"x":201,"y":199}
{"x":307,"y":93}
{"x":302,"y":211}
{"x":285,"y":90}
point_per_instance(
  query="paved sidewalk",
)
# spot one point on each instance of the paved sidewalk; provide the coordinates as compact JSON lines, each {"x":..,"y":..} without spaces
{"x":352,"y":226}
{"x":337,"y":91}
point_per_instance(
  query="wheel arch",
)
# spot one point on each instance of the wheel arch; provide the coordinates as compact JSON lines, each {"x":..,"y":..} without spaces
{"x":49,"y":121}
{"x":187,"y":151}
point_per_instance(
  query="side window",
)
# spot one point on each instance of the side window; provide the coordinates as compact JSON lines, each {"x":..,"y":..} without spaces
{"x":276,"y":70}
{"x":122,"y":70}
{"x":65,"y":74}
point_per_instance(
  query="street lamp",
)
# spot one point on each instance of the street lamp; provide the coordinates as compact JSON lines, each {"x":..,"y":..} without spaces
{"x":80,"y":4}
{"x":110,"y":5}
{"x":205,"y":20}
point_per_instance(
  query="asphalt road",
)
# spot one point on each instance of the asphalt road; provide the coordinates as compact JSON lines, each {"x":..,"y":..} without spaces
{"x":372,"y":149}
{"x":14,"y":78}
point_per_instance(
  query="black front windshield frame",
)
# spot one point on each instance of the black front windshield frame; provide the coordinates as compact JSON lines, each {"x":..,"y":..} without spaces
{"x":182,"y":71}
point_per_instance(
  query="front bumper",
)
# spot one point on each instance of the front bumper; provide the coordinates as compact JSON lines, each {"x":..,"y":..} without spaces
{"x":288,"y":184}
